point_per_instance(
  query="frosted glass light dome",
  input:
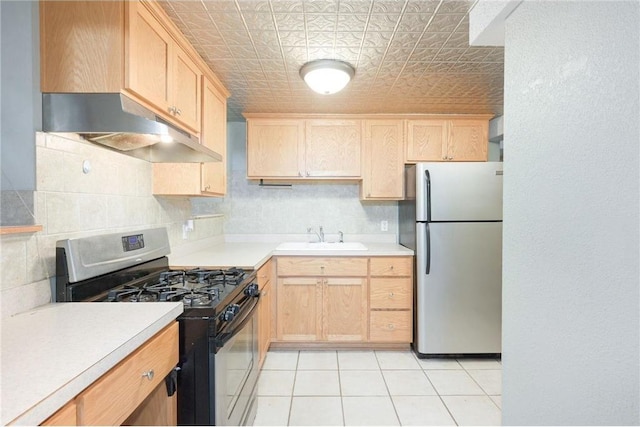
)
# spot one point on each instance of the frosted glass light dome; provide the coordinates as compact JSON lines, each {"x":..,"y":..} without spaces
{"x":327,"y":76}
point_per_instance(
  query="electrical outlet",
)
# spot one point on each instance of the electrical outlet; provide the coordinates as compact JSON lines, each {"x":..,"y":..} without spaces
{"x":384,"y":225}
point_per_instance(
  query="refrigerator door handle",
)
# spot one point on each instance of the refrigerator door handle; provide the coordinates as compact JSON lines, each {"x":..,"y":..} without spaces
{"x":428,"y":241}
{"x":427,"y":178}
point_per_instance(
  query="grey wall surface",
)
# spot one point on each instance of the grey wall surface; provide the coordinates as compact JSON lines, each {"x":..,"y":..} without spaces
{"x":571,"y":299}
{"x":19,"y":86}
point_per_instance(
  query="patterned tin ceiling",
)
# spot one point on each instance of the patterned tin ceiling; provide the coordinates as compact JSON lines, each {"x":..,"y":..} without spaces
{"x":410,"y":56}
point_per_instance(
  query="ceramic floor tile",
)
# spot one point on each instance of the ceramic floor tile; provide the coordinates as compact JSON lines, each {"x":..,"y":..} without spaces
{"x":397,"y":360}
{"x":497,"y":400}
{"x":357,"y":360}
{"x":454,"y":383}
{"x":473,"y":410}
{"x":489,"y":379}
{"x":272,"y":411}
{"x":439,"y":364}
{"x":317,"y":383}
{"x":362,"y":383}
{"x":369,"y":411}
{"x":316,"y":360}
{"x":276,"y":383}
{"x":480,"y":363}
{"x":316,"y":411}
{"x":422,"y":411}
{"x":281,"y":360}
{"x":408,"y":383}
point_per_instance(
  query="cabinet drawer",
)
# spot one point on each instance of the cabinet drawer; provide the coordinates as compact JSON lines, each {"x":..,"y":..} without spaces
{"x":391,"y":293}
{"x":390,"y":326}
{"x":113,"y":397}
{"x":339,"y":266}
{"x":264,"y":274}
{"x":392,"y":266}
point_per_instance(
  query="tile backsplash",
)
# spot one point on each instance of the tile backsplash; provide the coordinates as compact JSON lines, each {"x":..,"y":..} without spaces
{"x":114,"y":196}
{"x":252,"y":209}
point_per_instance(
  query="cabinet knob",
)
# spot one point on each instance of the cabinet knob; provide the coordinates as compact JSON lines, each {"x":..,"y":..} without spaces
{"x":322,"y":269}
{"x":391,"y":267}
{"x":207,"y":188}
{"x":308,"y":173}
{"x":390,"y":294}
{"x":149,"y":374}
{"x":178,"y":111}
{"x":391,"y":326}
{"x":299,"y":173}
{"x":172,"y":109}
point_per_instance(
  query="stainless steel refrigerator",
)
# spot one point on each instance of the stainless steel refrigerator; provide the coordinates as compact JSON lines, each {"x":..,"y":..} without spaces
{"x":452,"y":218}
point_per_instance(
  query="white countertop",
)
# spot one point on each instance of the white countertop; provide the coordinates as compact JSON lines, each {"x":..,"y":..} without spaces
{"x":251,"y":255}
{"x":52,"y":353}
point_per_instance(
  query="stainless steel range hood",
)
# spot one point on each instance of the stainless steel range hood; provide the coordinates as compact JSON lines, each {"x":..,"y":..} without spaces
{"x":121,"y":124}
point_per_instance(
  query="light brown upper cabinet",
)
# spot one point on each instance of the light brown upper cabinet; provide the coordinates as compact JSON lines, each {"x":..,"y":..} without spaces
{"x":159,"y":70}
{"x":447,"y":139}
{"x":298,"y":148}
{"x":200,"y":179}
{"x":383,"y":166}
{"x":332,"y":148}
{"x":275,"y":148}
{"x":131,"y":47}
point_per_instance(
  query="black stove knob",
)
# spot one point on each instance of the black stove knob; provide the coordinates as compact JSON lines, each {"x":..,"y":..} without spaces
{"x":252,"y":290}
{"x":230,"y":312}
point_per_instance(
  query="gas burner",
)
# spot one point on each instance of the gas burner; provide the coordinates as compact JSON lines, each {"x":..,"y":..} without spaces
{"x":132,"y":295}
{"x":197,"y":300}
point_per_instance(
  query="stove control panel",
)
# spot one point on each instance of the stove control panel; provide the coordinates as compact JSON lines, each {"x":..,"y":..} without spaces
{"x":133,"y":242}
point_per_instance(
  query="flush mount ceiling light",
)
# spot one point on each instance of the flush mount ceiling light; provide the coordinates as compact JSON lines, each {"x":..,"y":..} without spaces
{"x":327,"y":76}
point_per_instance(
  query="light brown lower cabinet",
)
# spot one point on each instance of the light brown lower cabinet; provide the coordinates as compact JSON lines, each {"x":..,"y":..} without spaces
{"x":344,"y":299}
{"x":322,"y":299}
{"x":391,"y":299}
{"x":132,"y":392}
{"x":265,"y":310}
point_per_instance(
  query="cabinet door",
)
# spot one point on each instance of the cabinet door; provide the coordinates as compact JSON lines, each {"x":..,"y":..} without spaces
{"x":426,"y":140}
{"x":468,"y":140}
{"x":344,"y":309}
{"x":214,"y":136}
{"x":185,"y":82}
{"x":382,"y":176}
{"x":333,"y":148}
{"x":264,"y":321}
{"x":149,"y":57}
{"x":275,"y":148}
{"x":299,"y":309}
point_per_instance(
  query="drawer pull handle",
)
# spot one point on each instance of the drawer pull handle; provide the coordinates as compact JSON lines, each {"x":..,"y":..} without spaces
{"x":390,"y":326}
{"x":149,"y":374}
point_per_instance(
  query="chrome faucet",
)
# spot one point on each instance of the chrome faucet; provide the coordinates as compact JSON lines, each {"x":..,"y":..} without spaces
{"x":320,"y":235}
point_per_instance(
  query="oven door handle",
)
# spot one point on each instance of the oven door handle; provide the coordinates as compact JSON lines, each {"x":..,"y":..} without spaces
{"x":235,"y":326}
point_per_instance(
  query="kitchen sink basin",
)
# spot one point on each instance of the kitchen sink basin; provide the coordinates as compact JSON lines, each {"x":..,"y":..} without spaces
{"x":321,"y":246}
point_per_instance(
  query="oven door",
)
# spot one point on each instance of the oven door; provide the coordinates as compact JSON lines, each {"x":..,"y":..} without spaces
{"x":236,"y":368}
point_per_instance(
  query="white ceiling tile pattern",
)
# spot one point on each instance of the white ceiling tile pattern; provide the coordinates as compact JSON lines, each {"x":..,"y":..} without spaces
{"x":410,"y":56}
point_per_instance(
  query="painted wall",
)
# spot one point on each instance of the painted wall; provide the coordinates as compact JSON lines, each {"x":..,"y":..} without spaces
{"x":571,"y":301}
{"x":20,"y":111}
{"x":115,"y":196}
{"x":250,"y":209}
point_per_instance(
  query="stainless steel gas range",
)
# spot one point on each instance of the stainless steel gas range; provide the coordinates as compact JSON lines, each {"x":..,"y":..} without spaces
{"x":218,"y":369}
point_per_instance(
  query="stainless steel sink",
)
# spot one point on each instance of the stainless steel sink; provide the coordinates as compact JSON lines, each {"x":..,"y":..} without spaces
{"x":321,"y":246}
